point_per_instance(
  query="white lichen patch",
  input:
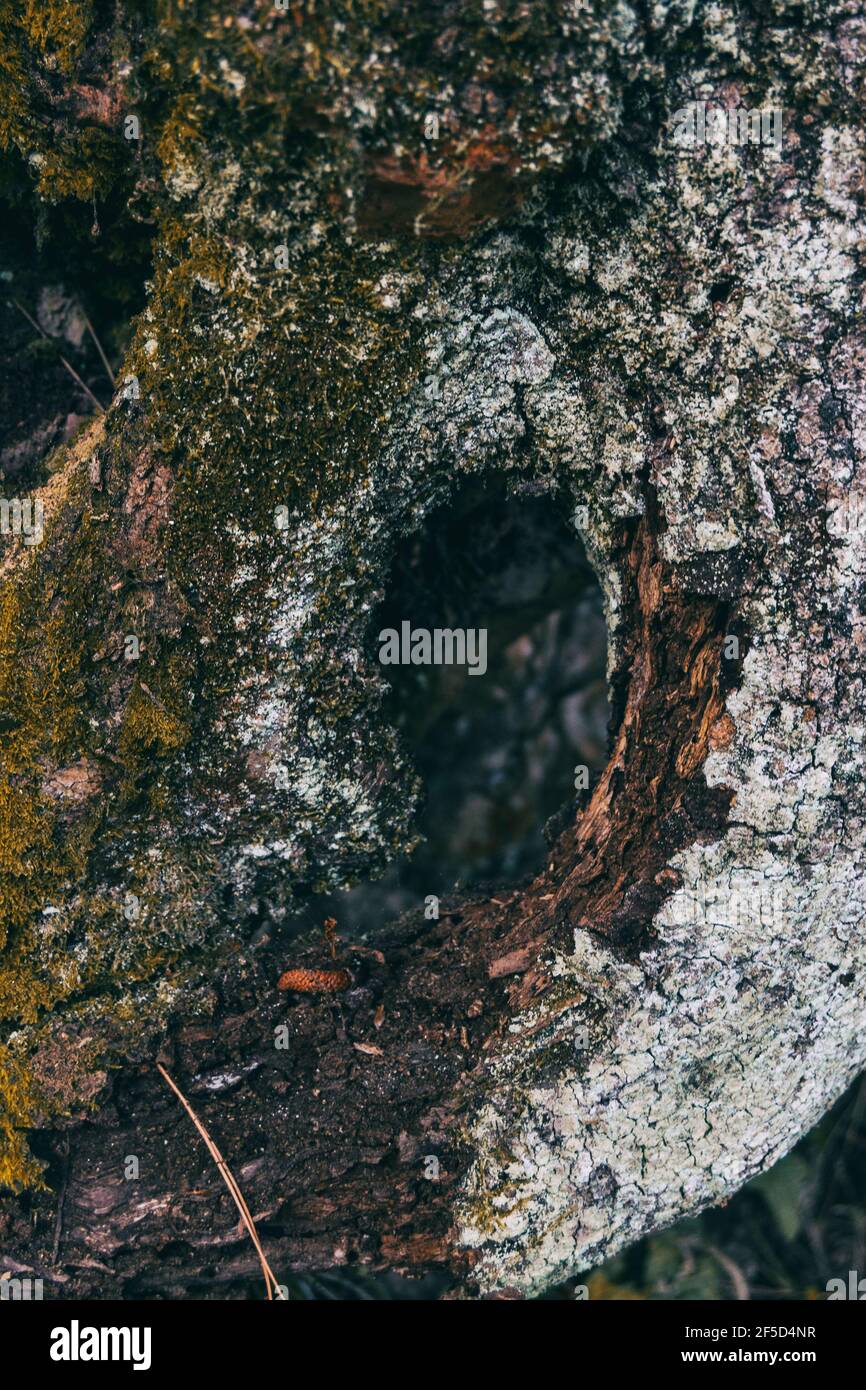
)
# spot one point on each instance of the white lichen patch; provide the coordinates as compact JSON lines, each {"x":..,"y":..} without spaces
{"x":699,"y":1065}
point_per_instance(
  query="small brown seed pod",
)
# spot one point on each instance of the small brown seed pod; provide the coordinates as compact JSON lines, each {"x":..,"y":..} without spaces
{"x":315,"y":981}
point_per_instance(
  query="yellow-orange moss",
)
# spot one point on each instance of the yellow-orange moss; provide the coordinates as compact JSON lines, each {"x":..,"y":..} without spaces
{"x":18,"y":1101}
{"x":57,"y":29}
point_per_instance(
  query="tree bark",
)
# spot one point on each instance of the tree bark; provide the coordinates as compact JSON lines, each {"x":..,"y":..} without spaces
{"x":347,"y":317}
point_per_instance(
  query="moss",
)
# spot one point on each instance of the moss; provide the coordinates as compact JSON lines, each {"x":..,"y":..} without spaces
{"x":26,"y":993}
{"x":69,"y":156}
{"x":221,"y":403}
{"x":84,"y":165}
{"x":18,"y":1168}
{"x":58,"y":30}
{"x":149,"y":732}
{"x":262,"y":386}
{"x":26,"y":852}
{"x":41,"y":702}
{"x":18,"y":110}
{"x":40,"y":699}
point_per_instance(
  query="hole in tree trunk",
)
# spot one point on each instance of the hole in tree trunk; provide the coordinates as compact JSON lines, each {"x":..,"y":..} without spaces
{"x":496,"y":751}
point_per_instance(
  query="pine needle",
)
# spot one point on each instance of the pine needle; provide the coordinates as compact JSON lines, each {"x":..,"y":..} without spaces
{"x":228,"y":1179}
{"x":99,"y":348}
{"x":68,"y":365}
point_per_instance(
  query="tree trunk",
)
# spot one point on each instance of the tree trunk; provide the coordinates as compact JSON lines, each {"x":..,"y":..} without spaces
{"x":488,"y":252}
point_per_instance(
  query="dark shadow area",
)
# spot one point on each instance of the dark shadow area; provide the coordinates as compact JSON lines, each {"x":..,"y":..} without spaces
{"x":72,"y":276}
{"x":497,"y":750}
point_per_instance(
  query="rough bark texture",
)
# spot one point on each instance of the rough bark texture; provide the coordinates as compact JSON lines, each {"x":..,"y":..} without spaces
{"x":348,"y":316}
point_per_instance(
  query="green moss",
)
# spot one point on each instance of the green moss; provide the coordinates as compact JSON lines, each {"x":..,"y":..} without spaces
{"x":17,"y":118}
{"x":25,"y":992}
{"x":26,"y":852}
{"x":40,"y":701}
{"x":76,"y":960}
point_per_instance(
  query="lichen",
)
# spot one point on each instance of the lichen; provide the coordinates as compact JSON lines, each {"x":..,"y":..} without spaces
{"x":347,"y":318}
